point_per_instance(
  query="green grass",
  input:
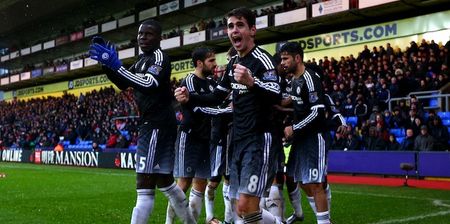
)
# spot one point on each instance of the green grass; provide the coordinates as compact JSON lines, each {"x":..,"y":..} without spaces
{"x":57,"y":194}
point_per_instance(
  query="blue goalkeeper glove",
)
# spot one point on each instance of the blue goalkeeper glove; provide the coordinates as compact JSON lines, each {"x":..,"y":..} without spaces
{"x":99,"y":40}
{"x":106,"y":55}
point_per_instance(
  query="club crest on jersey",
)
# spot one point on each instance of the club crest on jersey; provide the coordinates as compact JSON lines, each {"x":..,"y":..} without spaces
{"x":313,"y":97}
{"x":211,"y":88}
{"x":298,"y":90}
{"x":230,"y":73}
{"x":270,"y":76}
{"x":154,"y":69}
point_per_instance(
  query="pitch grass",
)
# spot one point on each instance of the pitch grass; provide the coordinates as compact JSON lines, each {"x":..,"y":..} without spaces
{"x":58,"y":194}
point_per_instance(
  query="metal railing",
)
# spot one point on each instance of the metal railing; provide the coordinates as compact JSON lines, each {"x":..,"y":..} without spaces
{"x":419,"y":97}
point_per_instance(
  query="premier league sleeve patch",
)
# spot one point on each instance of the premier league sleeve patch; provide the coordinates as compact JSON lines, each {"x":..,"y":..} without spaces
{"x":154,"y":69}
{"x":313,"y":97}
{"x":270,"y":75}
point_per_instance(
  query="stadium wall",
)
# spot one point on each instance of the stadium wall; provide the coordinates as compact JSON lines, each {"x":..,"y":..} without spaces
{"x":427,"y":164}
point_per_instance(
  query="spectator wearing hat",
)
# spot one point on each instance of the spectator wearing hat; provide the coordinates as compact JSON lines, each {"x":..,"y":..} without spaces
{"x":424,"y":141}
{"x":397,"y":120}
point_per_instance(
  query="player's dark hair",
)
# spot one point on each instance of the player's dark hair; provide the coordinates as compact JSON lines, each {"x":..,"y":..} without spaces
{"x":201,"y":53}
{"x":154,"y":24}
{"x":292,"y":48}
{"x":243,"y":12}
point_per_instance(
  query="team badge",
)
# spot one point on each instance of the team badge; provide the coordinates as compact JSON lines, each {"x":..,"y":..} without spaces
{"x":154,"y":69}
{"x":298,"y":90}
{"x":313,"y":97}
{"x":211,"y":88}
{"x":270,"y":76}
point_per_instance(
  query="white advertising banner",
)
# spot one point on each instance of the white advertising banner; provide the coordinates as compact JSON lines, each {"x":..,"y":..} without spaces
{"x":49,"y":44}
{"x":127,"y":53}
{"x":370,"y":3}
{"x":189,"y":3}
{"x":171,"y":43}
{"x":14,"y":54}
{"x":329,"y":7}
{"x":194,"y":37}
{"x":25,"y":51}
{"x":25,"y":75}
{"x":109,"y":26}
{"x":76,"y":64}
{"x":290,"y":17}
{"x":4,"y":58}
{"x":148,"y":13}
{"x":36,"y":48}
{"x":262,"y":22}
{"x":89,"y":62}
{"x":169,"y":7}
{"x":14,"y":78}
{"x":126,"y":21}
{"x":4,"y":81}
{"x":91,"y":31}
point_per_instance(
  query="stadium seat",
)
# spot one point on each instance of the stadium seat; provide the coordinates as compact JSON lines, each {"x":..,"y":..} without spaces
{"x":446,"y":122}
{"x":444,"y":115}
{"x":400,"y":139}
{"x":352,"y":120}
{"x":434,"y":103}
{"x":397,"y":132}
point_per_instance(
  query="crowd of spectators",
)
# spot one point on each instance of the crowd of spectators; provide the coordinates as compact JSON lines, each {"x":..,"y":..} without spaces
{"x":41,"y":122}
{"x":362,"y":87}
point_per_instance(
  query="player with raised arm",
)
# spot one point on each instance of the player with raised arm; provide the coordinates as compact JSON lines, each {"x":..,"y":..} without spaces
{"x":255,"y":89}
{"x":150,"y":79}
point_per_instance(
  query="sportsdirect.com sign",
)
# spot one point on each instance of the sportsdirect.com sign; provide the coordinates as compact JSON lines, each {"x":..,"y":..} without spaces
{"x":349,"y":36}
{"x":377,"y":32}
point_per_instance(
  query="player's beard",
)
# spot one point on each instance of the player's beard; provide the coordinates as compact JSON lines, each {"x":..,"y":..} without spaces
{"x":291,"y":69}
{"x":207,"y":72}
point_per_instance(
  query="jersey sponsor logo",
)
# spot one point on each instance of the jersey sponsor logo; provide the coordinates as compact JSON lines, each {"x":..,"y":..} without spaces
{"x":270,"y":76}
{"x":154,"y":69}
{"x":241,"y":89}
{"x":237,"y":86}
{"x":297,"y":99}
{"x":313,"y":97}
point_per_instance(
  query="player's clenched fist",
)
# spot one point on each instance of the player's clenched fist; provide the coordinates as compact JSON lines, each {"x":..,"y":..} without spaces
{"x":181,"y":94}
{"x":243,"y":75}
